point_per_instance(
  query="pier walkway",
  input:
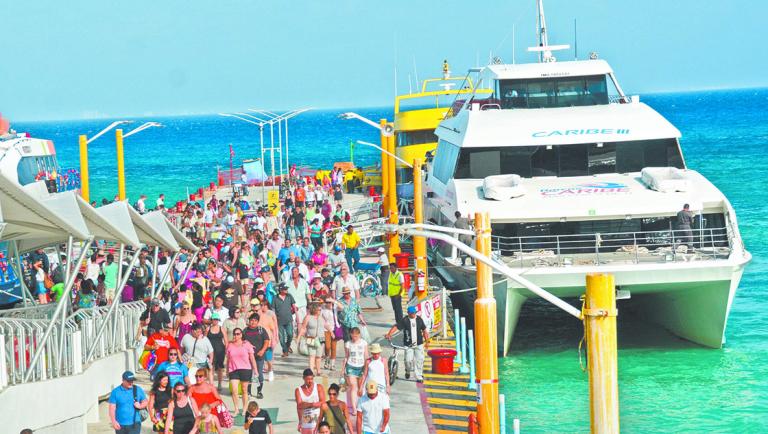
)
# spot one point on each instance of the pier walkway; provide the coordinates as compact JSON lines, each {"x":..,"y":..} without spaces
{"x":407,"y":415}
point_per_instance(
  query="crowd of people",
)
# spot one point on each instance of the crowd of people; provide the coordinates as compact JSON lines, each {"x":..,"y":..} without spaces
{"x":260,"y":289}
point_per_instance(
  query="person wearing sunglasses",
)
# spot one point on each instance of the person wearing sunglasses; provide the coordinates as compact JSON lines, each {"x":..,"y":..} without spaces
{"x":182,"y":412}
{"x":240,"y":364}
{"x":334,"y":413}
{"x":177,"y":372}
{"x":203,"y":392}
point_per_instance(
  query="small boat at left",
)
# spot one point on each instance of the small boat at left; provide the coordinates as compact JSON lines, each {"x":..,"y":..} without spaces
{"x":26,"y":160}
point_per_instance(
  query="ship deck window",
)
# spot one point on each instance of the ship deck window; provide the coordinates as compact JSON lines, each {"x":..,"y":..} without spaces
{"x":567,"y":160}
{"x":553,"y":92}
{"x":419,"y":137}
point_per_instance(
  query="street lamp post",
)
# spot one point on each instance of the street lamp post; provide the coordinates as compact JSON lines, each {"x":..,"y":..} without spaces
{"x":119,"y":136}
{"x":85,"y":190}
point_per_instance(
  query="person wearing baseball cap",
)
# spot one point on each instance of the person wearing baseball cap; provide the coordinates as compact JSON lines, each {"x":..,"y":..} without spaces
{"x":375,"y":370}
{"x":125,"y":401}
{"x":284,"y":305}
{"x":415,"y":338}
{"x":351,"y":241}
{"x":373,"y":410}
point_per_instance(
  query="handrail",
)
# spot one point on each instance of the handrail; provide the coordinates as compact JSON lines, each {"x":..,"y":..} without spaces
{"x":599,"y":248}
{"x":22,"y":337}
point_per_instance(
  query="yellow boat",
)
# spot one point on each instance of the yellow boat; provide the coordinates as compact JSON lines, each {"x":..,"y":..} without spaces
{"x":416,"y":117}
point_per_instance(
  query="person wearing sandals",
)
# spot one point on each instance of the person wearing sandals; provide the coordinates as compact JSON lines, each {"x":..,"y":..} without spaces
{"x":334,"y":412}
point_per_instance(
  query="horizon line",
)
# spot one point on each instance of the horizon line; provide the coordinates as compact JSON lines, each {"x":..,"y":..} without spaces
{"x":216,"y":113}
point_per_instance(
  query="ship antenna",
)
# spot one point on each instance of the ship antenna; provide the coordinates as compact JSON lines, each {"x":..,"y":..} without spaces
{"x":544,"y":49}
{"x":575,"y":41}
{"x":513,"y":43}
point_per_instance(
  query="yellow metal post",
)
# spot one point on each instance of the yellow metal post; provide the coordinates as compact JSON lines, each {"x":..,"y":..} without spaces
{"x":602,"y":356}
{"x":384,"y":172}
{"x":394,"y":241}
{"x":120,"y":164}
{"x":487,"y":364}
{"x":419,"y":243}
{"x":85,"y":190}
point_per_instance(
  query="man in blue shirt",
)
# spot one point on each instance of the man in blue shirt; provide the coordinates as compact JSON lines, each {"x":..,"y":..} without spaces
{"x":125,"y":401}
{"x":177,"y":371}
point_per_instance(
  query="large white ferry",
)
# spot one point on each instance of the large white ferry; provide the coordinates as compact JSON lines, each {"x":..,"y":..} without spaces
{"x":579,"y":177}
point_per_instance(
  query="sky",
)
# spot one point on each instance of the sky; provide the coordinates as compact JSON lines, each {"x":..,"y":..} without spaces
{"x":80,"y":59}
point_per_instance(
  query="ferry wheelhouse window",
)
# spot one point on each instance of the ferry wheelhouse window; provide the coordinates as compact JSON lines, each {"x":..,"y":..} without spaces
{"x":419,"y":137}
{"x":553,"y":92}
{"x":568,"y":160}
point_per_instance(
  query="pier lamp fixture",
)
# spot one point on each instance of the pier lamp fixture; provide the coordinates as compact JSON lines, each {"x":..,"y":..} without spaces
{"x":85,"y":190}
{"x":120,"y":154}
{"x":279,"y":118}
{"x":387,"y":130}
{"x":259,"y":122}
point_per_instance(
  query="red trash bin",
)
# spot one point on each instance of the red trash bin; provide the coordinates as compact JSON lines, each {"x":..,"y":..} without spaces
{"x":402,"y":260}
{"x":442,"y":360}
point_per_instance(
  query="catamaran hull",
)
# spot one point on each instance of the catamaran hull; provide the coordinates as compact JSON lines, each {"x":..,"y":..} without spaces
{"x":692,"y":300}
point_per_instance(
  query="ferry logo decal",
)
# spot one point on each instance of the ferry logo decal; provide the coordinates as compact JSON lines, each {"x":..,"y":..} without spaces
{"x":590,"y":188}
{"x":584,"y":132}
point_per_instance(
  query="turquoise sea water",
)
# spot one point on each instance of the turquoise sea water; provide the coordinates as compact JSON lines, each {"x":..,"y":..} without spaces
{"x":666,"y":385}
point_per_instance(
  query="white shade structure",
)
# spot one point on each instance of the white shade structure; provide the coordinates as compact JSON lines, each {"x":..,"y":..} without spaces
{"x":183,"y":241}
{"x":158,"y":223}
{"x":27,"y":217}
{"x":123,"y":229}
{"x":148,"y":234}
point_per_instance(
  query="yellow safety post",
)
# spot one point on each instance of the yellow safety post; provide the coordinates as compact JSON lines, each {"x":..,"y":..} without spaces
{"x":487,"y":364}
{"x":602,"y":356}
{"x":419,"y":243}
{"x":384,"y":172}
{"x":394,"y":241}
{"x":120,"y":164}
{"x":85,"y":190}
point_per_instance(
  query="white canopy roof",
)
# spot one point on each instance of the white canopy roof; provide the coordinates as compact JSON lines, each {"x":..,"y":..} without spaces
{"x":600,"y":197}
{"x":27,"y":217}
{"x":183,"y":241}
{"x":151,"y":234}
{"x":157,"y":221}
{"x":556,"y":126}
{"x":110,"y":222}
{"x":108,"y":227}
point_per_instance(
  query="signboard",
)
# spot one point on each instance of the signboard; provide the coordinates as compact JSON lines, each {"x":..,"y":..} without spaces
{"x":431,"y":311}
{"x":273,"y":201}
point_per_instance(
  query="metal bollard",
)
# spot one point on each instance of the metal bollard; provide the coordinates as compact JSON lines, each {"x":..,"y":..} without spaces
{"x":444,"y":310}
{"x":471,"y":350}
{"x":457,"y":336}
{"x":502,"y":421}
{"x":464,"y":367}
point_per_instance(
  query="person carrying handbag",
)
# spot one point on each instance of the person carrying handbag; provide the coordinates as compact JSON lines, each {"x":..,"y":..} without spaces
{"x":311,"y":330}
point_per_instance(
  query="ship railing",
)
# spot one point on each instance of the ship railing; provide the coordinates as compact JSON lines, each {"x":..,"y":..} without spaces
{"x":64,"y":353}
{"x":619,"y":99}
{"x":614,"y":247}
{"x":366,"y":229}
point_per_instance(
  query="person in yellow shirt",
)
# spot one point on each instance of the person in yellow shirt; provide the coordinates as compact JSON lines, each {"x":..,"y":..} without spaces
{"x":351,"y":242}
{"x":395,"y":283}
